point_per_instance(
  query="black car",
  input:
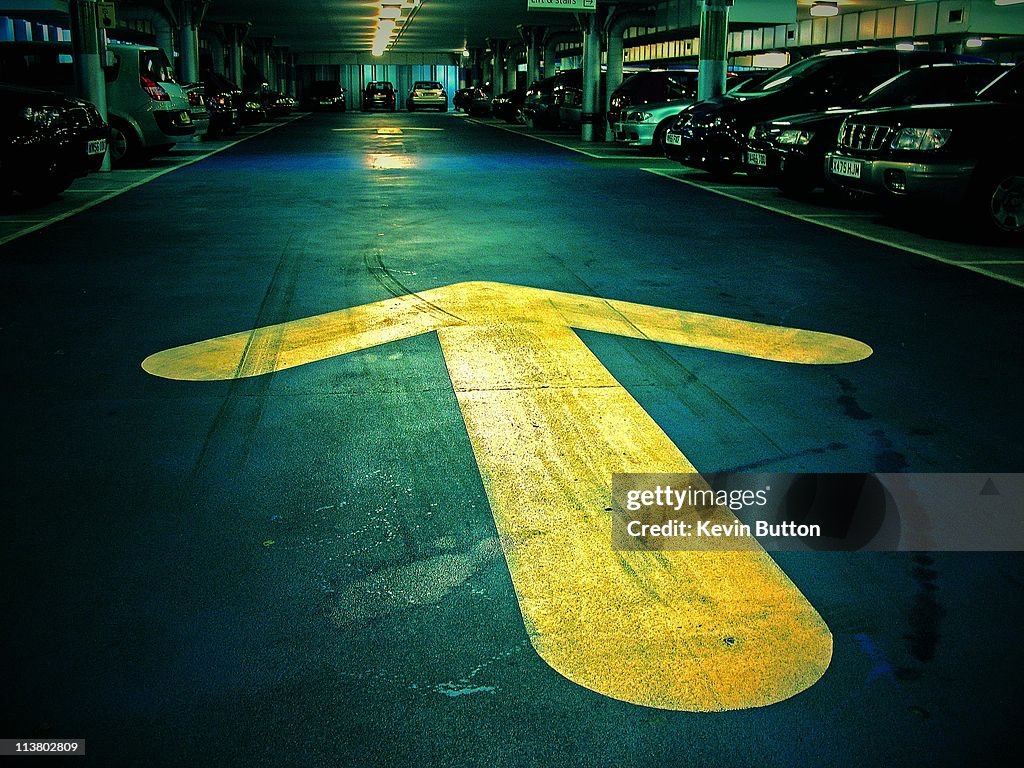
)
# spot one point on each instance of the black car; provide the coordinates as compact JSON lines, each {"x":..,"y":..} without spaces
{"x":539,"y":108}
{"x":712,"y":134}
{"x":790,"y":151}
{"x":379,"y":95}
{"x":964,"y":157}
{"x":46,"y":141}
{"x":324,"y":96}
{"x":509,"y":106}
{"x":224,"y":100}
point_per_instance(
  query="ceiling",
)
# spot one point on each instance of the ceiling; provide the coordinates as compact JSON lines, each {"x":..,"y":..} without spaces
{"x":439,"y":25}
{"x":346,"y":25}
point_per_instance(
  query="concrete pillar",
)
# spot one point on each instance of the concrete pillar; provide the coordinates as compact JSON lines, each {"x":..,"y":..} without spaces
{"x":217,"y":54}
{"x":533,"y":56}
{"x":235,"y":55}
{"x":188,"y":34}
{"x":512,"y":67}
{"x":591,"y":77}
{"x":281,"y":69}
{"x":497,"y":67}
{"x":616,"y":30}
{"x":713,"y":60}
{"x":89,"y":47}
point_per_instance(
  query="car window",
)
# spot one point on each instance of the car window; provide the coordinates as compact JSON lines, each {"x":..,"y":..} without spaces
{"x":427,"y":86}
{"x":154,"y":65}
{"x":931,"y":85}
{"x":1009,"y":87}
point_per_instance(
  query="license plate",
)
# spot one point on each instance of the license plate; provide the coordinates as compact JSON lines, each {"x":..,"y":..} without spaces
{"x":674,"y":139}
{"x":848,"y":168}
{"x":760,"y":159}
{"x":96,"y":147}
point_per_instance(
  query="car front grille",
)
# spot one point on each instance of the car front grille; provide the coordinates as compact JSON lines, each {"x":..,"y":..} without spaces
{"x":863,"y":137}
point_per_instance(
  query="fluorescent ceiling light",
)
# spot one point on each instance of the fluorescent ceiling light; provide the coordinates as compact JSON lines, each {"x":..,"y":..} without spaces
{"x":906,"y":45}
{"x":827,"y":9}
{"x":974,"y":42}
{"x":1008,"y":2}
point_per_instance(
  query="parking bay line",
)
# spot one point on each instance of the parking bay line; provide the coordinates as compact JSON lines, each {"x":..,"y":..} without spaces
{"x":968,"y":265}
{"x":104,"y":196}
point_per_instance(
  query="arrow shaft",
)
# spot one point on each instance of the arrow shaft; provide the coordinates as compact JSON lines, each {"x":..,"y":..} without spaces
{"x":549,"y":425}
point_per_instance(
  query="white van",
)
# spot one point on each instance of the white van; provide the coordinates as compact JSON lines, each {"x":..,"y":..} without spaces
{"x":148,"y":111}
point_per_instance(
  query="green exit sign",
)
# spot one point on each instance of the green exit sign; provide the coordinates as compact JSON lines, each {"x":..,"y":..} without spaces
{"x":577,"y":6}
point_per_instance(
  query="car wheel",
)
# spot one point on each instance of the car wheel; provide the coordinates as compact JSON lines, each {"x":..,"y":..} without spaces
{"x":124,"y":145}
{"x":658,"y":143}
{"x":1002,"y":205}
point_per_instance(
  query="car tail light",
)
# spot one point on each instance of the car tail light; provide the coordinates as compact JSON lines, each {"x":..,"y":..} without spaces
{"x":156,"y":93}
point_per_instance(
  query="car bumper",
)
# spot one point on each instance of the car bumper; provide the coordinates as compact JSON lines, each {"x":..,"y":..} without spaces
{"x":174,"y":124}
{"x":706,"y":148}
{"x":943,"y":182}
{"x":436,"y":103}
{"x":635,"y":134}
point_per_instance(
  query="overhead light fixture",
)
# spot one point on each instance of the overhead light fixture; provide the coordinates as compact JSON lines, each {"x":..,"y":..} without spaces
{"x":905,"y":45}
{"x":827,"y":9}
{"x":974,"y":42}
{"x":1008,"y":2}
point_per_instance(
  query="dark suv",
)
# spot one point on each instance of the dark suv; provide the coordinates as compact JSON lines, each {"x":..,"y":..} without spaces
{"x":966,"y":157}
{"x":379,"y":95}
{"x":790,"y":151}
{"x":711,"y":134}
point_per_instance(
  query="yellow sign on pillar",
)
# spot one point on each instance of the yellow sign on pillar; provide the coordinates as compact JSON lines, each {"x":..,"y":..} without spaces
{"x":549,"y":425}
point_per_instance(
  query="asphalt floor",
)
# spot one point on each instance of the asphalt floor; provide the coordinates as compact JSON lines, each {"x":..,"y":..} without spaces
{"x":303,"y":568}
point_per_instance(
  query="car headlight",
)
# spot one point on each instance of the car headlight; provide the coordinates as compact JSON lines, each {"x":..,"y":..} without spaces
{"x":923,"y":139}
{"x":794,"y":137}
{"x":44,"y":117}
{"x":639,"y":117}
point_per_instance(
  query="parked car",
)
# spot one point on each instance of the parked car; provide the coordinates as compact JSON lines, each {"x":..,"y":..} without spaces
{"x":224,"y":100}
{"x":252,"y":109}
{"x":539,"y":108}
{"x":463,"y":97}
{"x":509,"y":106}
{"x":712,"y":134}
{"x":480,"y":105}
{"x":198,"y":110}
{"x":324,"y":96}
{"x":278,"y":104}
{"x":655,"y":87}
{"x":567,"y":97}
{"x":428,"y":94}
{"x":147,"y":110}
{"x":379,"y":95}
{"x":46,"y":141}
{"x":649,"y":102}
{"x":790,"y":151}
{"x":964,"y":157}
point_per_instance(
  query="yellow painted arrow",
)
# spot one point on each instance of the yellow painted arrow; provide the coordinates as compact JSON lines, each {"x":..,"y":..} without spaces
{"x":549,"y":425}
